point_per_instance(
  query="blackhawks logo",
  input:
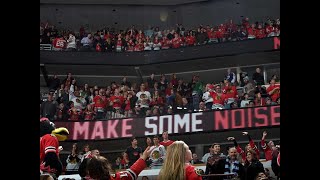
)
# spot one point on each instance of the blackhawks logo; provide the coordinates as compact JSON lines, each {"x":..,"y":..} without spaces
{"x":156,"y":154}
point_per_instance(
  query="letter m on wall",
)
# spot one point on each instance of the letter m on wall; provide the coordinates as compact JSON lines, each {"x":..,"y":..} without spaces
{"x":276,"y":43}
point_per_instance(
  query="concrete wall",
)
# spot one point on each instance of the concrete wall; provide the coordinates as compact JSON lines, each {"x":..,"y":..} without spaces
{"x":211,"y":12}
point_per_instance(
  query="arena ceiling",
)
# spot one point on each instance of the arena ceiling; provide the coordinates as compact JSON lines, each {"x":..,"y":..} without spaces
{"x":122,"y":2}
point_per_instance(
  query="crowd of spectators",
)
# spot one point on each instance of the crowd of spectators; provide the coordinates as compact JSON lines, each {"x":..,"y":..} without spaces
{"x":131,"y":39}
{"x":68,"y":101}
{"x":243,"y":163}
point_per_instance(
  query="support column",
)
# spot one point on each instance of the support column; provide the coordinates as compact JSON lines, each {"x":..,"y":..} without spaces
{"x":139,"y":74}
{"x":199,"y":151}
{"x":44,"y":73}
{"x":265,"y":75}
{"x":238,"y":71}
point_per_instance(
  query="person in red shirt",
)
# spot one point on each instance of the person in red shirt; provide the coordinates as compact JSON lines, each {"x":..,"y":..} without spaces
{"x":176,"y":41}
{"x":99,"y":167}
{"x":177,"y":164}
{"x":229,"y":91}
{"x":165,"y":43}
{"x":273,"y":90}
{"x":251,"y":31}
{"x":245,"y":22}
{"x":190,"y":39}
{"x":130,"y":46}
{"x":259,"y":101}
{"x":74,"y":113}
{"x":140,"y":35}
{"x":269,"y":149}
{"x":217,"y":96}
{"x":260,"y":32}
{"x":219,"y":34}
{"x":88,"y":113}
{"x":157,"y":100}
{"x":108,"y":36}
{"x":59,"y":43}
{"x":139,"y":46}
{"x":166,"y":142}
{"x":211,"y":35}
{"x":250,"y":146}
{"x":100,"y":102}
{"x":116,"y":100}
{"x":119,"y":44}
{"x":269,"y":29}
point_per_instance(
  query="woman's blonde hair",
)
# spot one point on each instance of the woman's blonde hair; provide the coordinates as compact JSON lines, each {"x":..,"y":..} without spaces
{"x":174,"y":165}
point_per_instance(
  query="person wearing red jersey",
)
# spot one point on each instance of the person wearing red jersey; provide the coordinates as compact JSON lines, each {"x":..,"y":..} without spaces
{"x":119,"y":44}
{"x":165,"y":43}
{"x":88,"y":113}
{"x":219,"y":35}
{"x":130,"y":46}
{"x":245,"y":22}
{"x":166,"y":142}
{"x":269,"y":149}
{"x":259,"y":101}
{"x":273,"y":90}
{"x":139,"y":46}
{"x":98,"y":167}
{"x":140,"y":35}
{"x":177,"y":166}
{"x":157,"y":100}
{"x":230,"y":91}
{"x":211,"y":35}
{"x":100,"y":102}
{"x":270,"y":29}
{"x":74,"y":113}
{"x":59,"y":43}
{"x":116,"y":100}
{"x":260,"y":32}
{"x":217,"y":96}
{"x":49,"y":146}
{"x":190,"y":39}
{"x":250,"y":146}
{"x":252,"y":31}
{"x":108,"y":35}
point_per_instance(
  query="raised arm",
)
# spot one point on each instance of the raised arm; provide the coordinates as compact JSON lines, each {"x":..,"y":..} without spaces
{"x":238,"y":148}
{"x":252,"y":145}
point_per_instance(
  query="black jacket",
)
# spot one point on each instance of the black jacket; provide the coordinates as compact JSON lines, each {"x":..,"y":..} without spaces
{"x":252,"y":170}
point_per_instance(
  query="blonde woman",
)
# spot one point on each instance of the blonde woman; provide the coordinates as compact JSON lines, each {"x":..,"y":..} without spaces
{"x":177,"y":166}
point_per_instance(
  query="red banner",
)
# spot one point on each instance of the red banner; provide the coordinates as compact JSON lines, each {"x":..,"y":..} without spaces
{"x":220,"y":120}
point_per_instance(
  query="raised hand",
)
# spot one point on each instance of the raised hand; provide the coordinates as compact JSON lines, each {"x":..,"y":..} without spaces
{"x":230,"y":138}
{"x":146,"y":153}
{"x":264,"y":133}
{"x":245,"y":133}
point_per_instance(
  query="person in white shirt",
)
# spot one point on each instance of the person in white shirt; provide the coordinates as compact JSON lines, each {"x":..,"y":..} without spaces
{"x":158,"y":153}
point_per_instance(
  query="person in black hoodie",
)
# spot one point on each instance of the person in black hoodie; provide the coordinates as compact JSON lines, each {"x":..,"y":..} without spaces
{"x":215,"y":165}
{"x":258,"y":77}
{"x":252,"y":166}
